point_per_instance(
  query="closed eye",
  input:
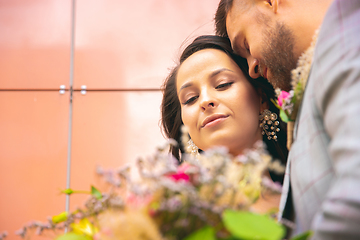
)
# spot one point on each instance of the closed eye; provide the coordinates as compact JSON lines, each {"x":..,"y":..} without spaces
{"x":190,"y":100}
{"x":246,"y":45}
{"x":224,"y":85}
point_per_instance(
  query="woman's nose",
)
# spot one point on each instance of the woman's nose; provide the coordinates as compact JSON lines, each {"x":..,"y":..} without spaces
{"x":254,"y":71}
{"x":207,"y":101}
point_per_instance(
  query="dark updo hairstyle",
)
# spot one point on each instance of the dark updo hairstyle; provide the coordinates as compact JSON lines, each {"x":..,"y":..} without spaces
{"x":171,"y":109}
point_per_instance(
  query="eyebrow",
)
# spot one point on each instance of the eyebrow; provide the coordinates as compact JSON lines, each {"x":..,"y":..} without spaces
{"x":185,"y":86}
{"x":213,"y":74}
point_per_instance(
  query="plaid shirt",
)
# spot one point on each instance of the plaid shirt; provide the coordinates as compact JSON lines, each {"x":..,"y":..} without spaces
{"x":324,"y":161}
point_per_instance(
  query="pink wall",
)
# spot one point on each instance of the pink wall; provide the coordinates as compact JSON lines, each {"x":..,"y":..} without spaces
{"x":122,"y":52}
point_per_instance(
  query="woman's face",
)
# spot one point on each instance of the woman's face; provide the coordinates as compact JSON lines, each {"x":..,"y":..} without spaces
{"x":218,"y":104}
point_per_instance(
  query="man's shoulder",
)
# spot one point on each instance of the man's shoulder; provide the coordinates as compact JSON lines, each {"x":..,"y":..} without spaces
{"x":341,"y":20}
{"x":337,"y":47}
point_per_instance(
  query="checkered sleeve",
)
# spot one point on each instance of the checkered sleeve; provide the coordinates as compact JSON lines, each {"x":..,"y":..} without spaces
{"x":337,"y":96}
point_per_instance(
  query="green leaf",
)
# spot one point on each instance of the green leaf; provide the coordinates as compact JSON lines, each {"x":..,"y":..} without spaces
{"x":247,"y":225}
{"x":205,"y":233}
{"x":73,"y":236}
{"x":62,"y":217}
{"x":284,"y":117}
{"x":96,"y":193}
{"x":303,"y":236}
{"x":68,"y":191}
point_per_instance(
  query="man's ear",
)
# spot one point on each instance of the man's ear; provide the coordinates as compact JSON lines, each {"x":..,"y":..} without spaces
{"x":271,"y":4}
{"x":274,"y":4}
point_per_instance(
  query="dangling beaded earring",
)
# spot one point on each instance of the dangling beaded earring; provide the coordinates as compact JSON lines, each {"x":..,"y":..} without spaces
{"x":191,"y":148}
{"x":189,"y":145}
{"x":269,"y":124}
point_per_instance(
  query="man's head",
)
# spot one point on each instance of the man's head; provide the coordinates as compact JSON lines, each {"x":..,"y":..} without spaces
{"x":270,"y":34}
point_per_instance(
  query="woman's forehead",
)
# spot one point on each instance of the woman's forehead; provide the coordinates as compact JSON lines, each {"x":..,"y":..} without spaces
{"x":205,"y":62}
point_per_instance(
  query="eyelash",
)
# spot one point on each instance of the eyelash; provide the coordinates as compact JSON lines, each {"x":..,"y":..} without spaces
{"x":220,"y":86}
{"x":190,"y":100}
{"x":246,"y":45}
{"x":228,"y":84}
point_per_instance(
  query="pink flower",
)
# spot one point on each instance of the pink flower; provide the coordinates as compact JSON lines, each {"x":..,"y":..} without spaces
{"x":283,"y":97}
{"x":180,"y":174}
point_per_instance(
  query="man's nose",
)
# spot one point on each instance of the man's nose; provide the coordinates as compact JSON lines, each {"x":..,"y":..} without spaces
{"x":254,"y":71}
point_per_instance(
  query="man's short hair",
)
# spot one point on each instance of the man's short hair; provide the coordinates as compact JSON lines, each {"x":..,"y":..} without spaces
{"x":220,"y":17}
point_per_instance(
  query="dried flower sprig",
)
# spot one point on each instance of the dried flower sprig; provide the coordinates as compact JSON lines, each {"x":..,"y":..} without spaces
{"x":207,"y":195}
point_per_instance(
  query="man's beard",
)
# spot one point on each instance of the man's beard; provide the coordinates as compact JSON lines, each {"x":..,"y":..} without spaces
{"x":279,"y":56}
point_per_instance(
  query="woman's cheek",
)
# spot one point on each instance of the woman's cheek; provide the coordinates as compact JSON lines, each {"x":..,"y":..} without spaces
{"x":189,"y":118}
{"x":184,"y":116}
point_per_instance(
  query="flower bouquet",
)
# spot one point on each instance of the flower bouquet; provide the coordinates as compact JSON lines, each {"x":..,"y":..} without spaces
{"x":210,"y":196}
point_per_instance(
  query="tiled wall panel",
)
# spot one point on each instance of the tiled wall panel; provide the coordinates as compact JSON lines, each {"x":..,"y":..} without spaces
{"x":34,"y":44}
{"x":131,"y":44}
{"x":111,"y":129}
{"x":33,"y":153}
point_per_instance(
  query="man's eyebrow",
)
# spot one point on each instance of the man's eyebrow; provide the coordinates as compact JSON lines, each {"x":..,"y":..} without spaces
{"x":213,"y":74}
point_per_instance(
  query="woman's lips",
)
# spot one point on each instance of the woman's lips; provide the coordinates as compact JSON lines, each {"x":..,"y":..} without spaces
{"x":213,"y":120}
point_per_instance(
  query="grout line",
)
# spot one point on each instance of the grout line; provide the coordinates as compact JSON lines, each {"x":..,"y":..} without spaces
{"x":30,"y":90}
{"x":88,"y":90}
{"x":71,"y":80}
{"x":123,"y":90}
